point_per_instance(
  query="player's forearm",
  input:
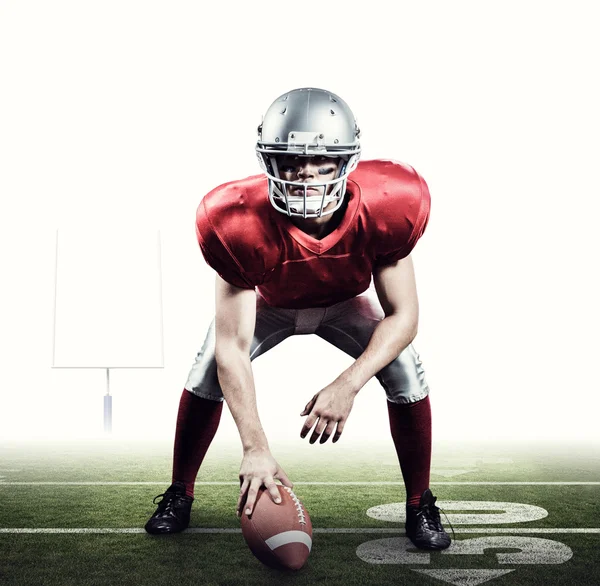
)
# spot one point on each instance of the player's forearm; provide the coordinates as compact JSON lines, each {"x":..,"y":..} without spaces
{"x":234,"y":371}
{"x":391,"y":336}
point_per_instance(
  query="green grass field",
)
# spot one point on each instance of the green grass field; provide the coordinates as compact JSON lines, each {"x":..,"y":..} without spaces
{"x":73,"y":514}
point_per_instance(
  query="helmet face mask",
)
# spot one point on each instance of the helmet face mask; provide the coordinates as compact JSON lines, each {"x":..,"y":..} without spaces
{"x":308,"y":199}
{"x":311,"y":123}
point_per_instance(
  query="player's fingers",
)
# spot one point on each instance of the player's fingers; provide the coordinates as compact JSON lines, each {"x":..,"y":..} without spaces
{"x":338,"y":431}
{"x":281,"y":475}
{"x":252,"y":494}
{"x":242,"y":497}
{"x":308,"y":423}
{"x":319,"y":429}
{"x":309,"y":406}
{"x":273,"y":489}
{"x":328,"y":431}
{"x":240,"y":505}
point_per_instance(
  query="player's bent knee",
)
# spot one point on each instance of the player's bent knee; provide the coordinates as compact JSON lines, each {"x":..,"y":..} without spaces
{"x":404,"y":378}
{"x":200,"y":392}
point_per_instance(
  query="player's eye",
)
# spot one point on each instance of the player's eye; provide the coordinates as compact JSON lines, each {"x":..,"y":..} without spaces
{"x":326,"y":170}
{"x":288,"y":168}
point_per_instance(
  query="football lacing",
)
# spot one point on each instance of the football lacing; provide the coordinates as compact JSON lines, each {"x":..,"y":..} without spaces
{"x":298,"y":505}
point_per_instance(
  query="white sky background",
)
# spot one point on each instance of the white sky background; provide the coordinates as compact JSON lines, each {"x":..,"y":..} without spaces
{"x":124,"y":114}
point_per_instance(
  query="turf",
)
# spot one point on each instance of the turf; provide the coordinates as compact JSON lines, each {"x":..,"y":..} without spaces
{"x":329,"y":506}
{"x":222,"y":558}
{"x":121,"y":462}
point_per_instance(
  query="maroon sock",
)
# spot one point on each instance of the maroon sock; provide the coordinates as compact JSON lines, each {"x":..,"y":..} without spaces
{"x":410,"y":424}
{"x":197,"y":422}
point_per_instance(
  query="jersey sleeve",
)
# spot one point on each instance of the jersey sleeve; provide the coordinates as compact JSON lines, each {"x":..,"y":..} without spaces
{"x":217,"y":253}
{"x":408,"y":226}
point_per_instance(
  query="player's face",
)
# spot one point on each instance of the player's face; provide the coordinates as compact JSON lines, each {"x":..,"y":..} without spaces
{"x":307,"y":170}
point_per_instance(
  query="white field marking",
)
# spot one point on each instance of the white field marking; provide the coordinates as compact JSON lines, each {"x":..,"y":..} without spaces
{"x":464,"y":577}
{"x":504,"y":483}
{"x":391,"y":550}
{"x":450,"y":472}
{"x":511,"y":512}
{"x":108,"y":483}
{"x":357,"y":483}
{"x":532,"y":550}
{"x":340,"y":530}
{"x":471,"y":462}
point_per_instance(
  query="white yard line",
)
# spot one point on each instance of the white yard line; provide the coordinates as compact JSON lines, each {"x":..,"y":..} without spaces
{"x":358,"y":530}
{"x":166,"y":483}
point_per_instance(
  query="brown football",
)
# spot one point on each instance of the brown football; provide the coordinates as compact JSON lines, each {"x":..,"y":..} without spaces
{"x":280,"y":535}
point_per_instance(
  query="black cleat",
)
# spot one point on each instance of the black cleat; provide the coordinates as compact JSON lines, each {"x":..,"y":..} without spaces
{"x":423,"y":524}
{"x":173,"y":512}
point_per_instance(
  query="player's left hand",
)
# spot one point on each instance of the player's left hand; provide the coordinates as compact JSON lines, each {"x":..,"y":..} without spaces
{"x":329,"y":408}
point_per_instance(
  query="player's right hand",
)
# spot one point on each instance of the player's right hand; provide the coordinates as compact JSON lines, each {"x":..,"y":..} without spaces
{"x":259,"y":468}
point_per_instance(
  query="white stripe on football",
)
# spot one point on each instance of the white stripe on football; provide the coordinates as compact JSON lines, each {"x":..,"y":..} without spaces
{"x":289,"y":537}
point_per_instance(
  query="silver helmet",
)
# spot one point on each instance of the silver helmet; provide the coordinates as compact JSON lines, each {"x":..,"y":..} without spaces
{"x":308,"y":122}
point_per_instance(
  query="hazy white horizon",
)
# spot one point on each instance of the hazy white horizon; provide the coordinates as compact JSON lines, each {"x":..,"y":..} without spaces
{"x":122,"y":115}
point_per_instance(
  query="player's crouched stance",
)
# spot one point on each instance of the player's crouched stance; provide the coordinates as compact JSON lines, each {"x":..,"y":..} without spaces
{"x":308,"y":238}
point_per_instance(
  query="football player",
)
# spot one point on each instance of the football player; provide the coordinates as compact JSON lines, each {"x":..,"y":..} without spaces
{"x":294,"y":251}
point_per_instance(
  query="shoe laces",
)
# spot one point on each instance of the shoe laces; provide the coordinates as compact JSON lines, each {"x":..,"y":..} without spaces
{"x":451,"y":528}
{"x":437,"y":513}
{"x":167,"y":502}
{"x":429,"y":514}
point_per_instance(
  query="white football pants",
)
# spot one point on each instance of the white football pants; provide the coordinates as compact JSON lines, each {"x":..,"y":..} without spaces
{"x":347,"y":325}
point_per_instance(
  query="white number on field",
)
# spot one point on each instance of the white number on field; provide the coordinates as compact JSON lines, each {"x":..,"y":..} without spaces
{"x":532,"y":550}
{"x":508,"y":512}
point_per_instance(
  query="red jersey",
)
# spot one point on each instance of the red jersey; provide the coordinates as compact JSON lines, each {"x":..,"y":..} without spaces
{"x":252,"y":245}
